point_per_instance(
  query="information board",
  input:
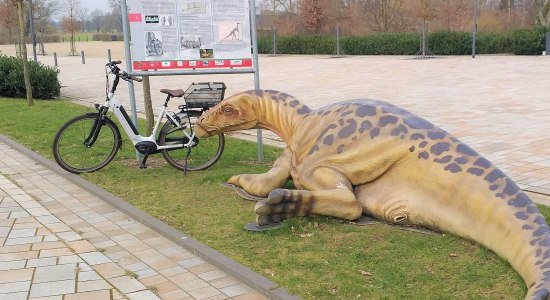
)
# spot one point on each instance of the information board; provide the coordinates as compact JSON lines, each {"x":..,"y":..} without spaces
{"x":189,"y":34}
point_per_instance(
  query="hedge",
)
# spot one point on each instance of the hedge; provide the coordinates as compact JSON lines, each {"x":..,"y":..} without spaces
{"x":530,"y":41}
{"x":44,"y":80}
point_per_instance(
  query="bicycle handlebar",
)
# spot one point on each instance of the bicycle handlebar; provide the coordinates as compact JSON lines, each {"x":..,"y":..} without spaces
{"x":113,"y":63}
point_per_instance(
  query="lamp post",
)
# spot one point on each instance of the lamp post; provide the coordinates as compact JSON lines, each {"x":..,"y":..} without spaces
{"x":33,"y":37}
{"x":475,"y":30}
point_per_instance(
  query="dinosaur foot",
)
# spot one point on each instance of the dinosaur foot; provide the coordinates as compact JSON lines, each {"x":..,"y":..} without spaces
{"x":253,"y":226}
{"x":366,"y":220}
{"x":242,"y":193}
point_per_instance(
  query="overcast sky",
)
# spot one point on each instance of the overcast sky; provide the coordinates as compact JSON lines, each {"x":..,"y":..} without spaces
{"x":93,"y":4}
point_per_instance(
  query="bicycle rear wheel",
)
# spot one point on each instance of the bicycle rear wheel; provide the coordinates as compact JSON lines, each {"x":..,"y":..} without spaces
{"x":204,"y":154}
{"x":71,"y":152}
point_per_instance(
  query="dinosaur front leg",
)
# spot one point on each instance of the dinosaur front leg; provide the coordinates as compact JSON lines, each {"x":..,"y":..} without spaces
{"x":328,"y":192}
{"x":261,"y":184}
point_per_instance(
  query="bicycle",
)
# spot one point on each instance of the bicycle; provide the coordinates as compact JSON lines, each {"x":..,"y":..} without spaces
{"x":90,"y":141}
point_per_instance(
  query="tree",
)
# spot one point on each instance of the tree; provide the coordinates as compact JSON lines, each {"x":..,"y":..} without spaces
{"x":20,"y":6}
{"x":313,"y":14}
{"x":116,"y":15}
{"x":543,"y":15}
{"x":70,"y":22}
{"x":97,"y":19}
{"x":385,"y":14}
{"x":43,"y":13}
{"x":8,"y":15}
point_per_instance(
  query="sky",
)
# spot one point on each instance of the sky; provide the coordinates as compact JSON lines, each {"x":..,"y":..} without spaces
{"x":93,"y":4}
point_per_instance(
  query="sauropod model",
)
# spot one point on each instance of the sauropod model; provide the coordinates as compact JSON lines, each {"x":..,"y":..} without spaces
{"x":371,"y":157}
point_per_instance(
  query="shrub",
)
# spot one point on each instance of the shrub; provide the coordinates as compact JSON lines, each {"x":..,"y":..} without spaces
{"x":528,"y":41}
{"x":44,"y":81}
{"x":107,"y":37}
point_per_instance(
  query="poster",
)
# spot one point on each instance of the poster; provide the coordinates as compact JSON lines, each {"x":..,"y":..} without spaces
{"x":189,"y":34}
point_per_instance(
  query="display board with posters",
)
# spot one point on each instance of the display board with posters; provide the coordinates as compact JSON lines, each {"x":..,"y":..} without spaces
{"x":189,"y":34}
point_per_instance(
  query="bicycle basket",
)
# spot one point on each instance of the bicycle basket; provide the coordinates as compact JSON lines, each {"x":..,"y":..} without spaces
{"x":204,"y":94}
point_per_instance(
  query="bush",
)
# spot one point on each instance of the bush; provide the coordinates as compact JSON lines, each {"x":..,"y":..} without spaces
{"x":107,"y":37}
{"x":530,"y":41}
{"x":44,"y":81}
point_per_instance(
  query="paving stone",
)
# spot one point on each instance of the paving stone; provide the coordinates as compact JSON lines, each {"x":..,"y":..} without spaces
{"x":41,"y":262}
{"x":55,"y":252}
{"x":235,"y":290}
{"x":15,"y":275}
{"x":13,"y":287}
{"x":15,"y":248}
{"x":95,"y":258}
{"x":69,"y":259}
{"x":55,"y":273}
{"x":109,"y":270}
{"x":88,"y":276}
{"x":18,"y":256}
{"x":81,"y":246}
{"x":127,"y":284}
{"x":204,"y":292}
{"x":21,"y":233}
{"x":175,"y":295}
{"x":23,"y":240}
{"x":94,"y":295}
{"x":12,"y":265}
{"x":251,"y":296}
{"x":142,"y":295}
{"x":14,"y":296}
{"x":69,"y":236}
{"x":93,"y":285}
{"x":52,"y":288}
{"x":47,"y":245}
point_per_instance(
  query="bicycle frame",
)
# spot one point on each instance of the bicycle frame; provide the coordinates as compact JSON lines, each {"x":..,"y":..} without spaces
{"x":133,"y":133}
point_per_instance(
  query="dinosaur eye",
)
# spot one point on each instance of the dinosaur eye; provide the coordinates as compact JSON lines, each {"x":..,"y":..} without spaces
{"x":228,"y":110}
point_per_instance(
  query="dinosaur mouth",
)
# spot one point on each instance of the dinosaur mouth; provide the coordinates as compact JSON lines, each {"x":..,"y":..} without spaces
{"x":200,"y":132}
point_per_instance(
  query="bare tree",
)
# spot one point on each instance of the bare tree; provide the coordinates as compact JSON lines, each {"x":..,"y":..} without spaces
{"x":385,"y":14}
{"x":116,"y":14}
{"x":44,"y":10}
{"x":97,"y":19}
{"x":70,"y":22}
{"x":543,"y":8}
{"x":28,"y":87}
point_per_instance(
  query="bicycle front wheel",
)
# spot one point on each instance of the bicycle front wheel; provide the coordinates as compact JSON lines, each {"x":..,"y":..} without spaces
{"x":204,"y":154}
{"x":73,"y":154}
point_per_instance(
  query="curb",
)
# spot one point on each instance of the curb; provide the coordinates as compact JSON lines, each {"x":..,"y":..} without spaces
{"x":256,"y":281}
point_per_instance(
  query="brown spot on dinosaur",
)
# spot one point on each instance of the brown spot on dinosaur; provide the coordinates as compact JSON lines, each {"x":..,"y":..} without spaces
{"x":447,"y":186}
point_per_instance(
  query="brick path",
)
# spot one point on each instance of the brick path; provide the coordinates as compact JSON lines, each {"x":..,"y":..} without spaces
{"x":499,"y":105}
{"x":58,"y":241}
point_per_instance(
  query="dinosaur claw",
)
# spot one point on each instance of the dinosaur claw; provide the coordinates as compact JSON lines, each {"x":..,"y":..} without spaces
{"x":276,"y":196}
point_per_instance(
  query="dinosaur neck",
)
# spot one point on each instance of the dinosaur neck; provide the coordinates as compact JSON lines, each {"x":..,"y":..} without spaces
{"x":280,"y":115}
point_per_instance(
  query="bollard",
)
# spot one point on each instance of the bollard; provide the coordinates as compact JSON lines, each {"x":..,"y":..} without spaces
{"x":83,"y":59}
{"x":55,"y":59}
{"x":109,"y":54}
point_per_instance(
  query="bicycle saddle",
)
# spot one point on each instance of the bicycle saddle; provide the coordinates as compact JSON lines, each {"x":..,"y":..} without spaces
{"x":172,"y":93}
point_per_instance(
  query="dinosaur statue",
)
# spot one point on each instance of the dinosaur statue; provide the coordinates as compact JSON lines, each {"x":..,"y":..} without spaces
{"x":371,"y":157}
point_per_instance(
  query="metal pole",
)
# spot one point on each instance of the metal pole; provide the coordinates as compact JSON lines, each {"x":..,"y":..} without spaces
{"x":252,"y":4}
{"x":475,"y":30}
{"x":131,"y":93}
{"x":33,"y":37}
{"x":55,"y":59}
{"x":83,"y":59}
{"x":338,"y":39}
{"x":109,"y":54}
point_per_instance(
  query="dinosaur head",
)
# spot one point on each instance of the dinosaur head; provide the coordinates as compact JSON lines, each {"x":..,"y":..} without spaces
{"x":234,"y":113}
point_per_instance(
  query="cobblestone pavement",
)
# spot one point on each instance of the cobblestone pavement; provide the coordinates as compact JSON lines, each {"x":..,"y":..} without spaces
{"x":57,"y":241}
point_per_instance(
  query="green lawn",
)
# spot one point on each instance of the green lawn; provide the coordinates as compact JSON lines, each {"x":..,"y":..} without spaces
{"x":334,"y":260}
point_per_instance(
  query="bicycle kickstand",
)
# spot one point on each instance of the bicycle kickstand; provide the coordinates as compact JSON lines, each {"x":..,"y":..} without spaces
{"x":143,"y":165}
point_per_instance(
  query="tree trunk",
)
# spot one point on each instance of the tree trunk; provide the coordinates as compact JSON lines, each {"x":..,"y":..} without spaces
{"x":28,"y":86}
{"x":149,"y":116}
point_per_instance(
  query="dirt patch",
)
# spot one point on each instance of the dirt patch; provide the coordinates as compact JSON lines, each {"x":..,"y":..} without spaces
{"x":152,"y":162}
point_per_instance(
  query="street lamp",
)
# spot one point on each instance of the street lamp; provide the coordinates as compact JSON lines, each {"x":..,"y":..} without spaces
{"x":475,"y":30}
{"x":33,"y":36}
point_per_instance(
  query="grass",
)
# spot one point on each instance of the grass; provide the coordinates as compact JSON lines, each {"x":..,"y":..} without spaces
{"x":316,"y":257}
